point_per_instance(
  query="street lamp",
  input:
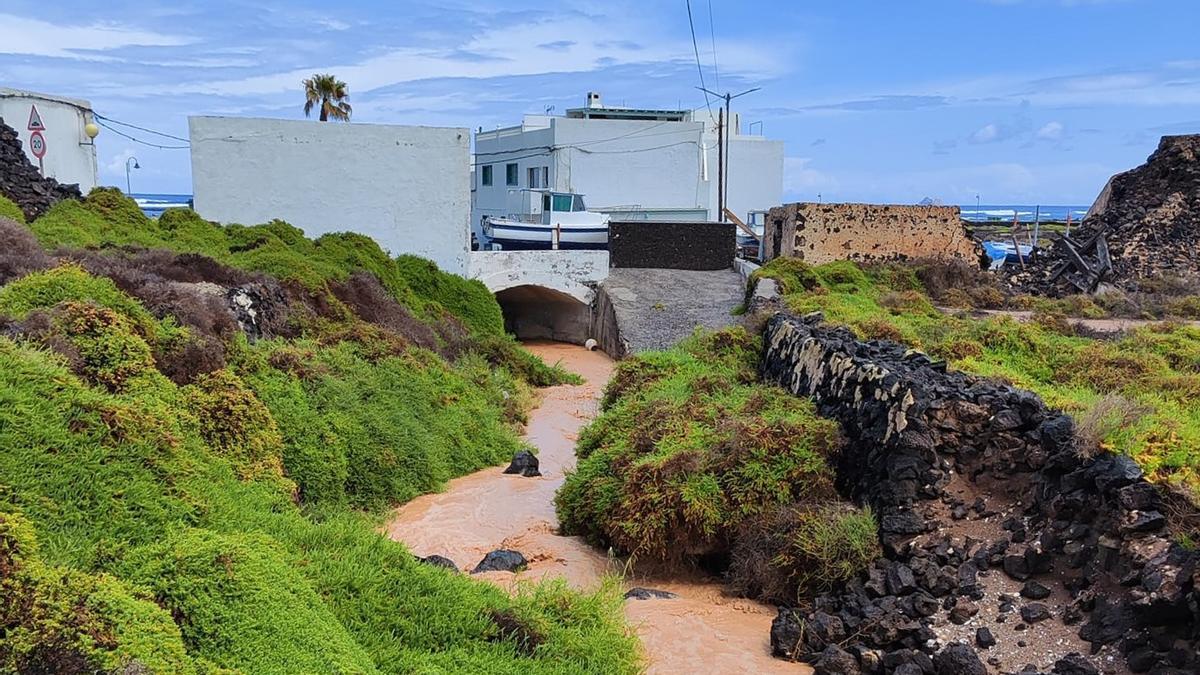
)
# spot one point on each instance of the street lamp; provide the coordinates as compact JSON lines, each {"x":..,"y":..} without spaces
{"x":128,"y":189}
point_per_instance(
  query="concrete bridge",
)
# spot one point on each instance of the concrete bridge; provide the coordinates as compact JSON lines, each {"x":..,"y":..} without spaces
{"x":571,"y":296}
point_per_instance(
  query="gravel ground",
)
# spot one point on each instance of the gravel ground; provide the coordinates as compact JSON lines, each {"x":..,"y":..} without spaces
{"x":658,"y":308}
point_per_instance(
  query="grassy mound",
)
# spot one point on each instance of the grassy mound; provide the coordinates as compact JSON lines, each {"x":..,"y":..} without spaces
{"x":10,"y":210}
{"x":690,"y":456}
{"x":177,"y":498}
{"x":1139,"y":394}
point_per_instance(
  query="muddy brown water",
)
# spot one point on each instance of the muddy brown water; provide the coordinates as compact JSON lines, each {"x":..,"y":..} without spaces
{"x":701,"y":631}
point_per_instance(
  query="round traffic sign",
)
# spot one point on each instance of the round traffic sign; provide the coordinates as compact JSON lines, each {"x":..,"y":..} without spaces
{"x":37,"y":144}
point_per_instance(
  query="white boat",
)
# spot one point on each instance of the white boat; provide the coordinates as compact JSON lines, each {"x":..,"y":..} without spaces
{"x":551,"y":220}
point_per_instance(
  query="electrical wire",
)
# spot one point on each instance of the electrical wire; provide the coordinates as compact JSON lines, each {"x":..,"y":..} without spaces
{"x":699,"y":68}
{"x":134,"y":126}
{"x":138,"y":140}
{"x":712,"y":34}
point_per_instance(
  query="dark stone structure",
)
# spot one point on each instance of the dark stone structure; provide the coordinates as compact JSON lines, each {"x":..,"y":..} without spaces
{"x":918,"y":436}
{"x":21,"y":181}
{"x":672,"y":245}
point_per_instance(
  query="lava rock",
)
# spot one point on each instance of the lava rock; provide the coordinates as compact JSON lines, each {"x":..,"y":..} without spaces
{"x":1074,"y":664}
{"x":439,"y":561}
{"x":958,"y":659}
{"x":525,"y":464}
{"x":1108,"y":622}
{"x":900,"y":580}
{"x":639,"y":593}
{"x":501,"y":560}
{"x":1035,"y":612}
{"x":984,"y":638}
{"x":787,"y":628}
{"x":963,"y":612}
{"x":1015,"y":567}
{"x":836,"y":661}
{"x":1139,"y":496}
{"x":1034,"y":591}
{"x":1143,"y":521}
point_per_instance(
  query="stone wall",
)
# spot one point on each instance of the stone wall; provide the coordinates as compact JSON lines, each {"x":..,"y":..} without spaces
{"x":821,"y":233}
{"x":674,"y":245}
{"x":21,"y":181}
{"x":978,"y":486}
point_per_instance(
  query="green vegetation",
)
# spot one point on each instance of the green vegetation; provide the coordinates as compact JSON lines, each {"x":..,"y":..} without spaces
{"x":691,"y":455}
{"x":226,"y":520}
{"x":10,"y":210}
{"x":329,"y":94}
{"x":1146,"y":383}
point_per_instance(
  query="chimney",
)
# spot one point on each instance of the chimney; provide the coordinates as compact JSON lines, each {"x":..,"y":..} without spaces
{"x":593,"y":100}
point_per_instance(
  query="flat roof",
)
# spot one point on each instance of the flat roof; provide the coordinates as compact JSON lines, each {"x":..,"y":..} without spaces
{"x":5,"y":92}
{"x":630,"y":113}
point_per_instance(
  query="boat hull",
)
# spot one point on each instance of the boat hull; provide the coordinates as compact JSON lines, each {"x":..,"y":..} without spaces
{"x":532,"y":236}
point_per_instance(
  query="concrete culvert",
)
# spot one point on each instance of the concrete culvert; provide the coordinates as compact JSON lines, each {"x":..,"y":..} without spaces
{"x":540,"y":313}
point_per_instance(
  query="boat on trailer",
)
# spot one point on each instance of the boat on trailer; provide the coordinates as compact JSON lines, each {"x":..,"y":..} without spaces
{"x":561,"y":222}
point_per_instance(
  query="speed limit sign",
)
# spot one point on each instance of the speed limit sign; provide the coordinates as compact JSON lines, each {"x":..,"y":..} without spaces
{"x":37,"y":144}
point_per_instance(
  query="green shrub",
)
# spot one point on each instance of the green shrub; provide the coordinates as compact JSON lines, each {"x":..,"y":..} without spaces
{"x":62,"y":620}
{"x":687,"y":450}
{"x":111,"y":353}
{"x":235,"y":423}
{"x":44,"y":290}
{"x":240,"y":605}
{"x":796,"y":551}
{"x":10,"y":210}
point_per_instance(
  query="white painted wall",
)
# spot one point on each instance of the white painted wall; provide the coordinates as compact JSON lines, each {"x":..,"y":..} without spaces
{"x":406,"y":187}
{"x":571,"y":272}
{"x":658,"y":166}
{"x":70,"y":154}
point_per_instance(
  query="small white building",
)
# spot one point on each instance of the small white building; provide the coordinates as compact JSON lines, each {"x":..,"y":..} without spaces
{"x":631,"y":163}
{"x":52,"y":133}
{"x":406,"y":187}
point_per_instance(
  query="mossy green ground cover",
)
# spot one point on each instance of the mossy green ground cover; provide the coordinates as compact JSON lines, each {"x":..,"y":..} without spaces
{"x":1139,"y":394}
{"x":692,"y":457}
{"x":231,"y":524}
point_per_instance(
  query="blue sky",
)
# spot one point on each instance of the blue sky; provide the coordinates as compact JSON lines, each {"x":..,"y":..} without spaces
{"x":1019,"y":101}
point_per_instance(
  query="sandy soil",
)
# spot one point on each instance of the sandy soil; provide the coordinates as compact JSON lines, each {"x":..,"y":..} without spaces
{"x":701,"y":631}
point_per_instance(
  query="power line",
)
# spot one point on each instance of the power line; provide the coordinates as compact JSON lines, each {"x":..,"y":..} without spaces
{"x":696,"y":49}
{"x":712,"y":34}
{"x":134,"y":126}
{"x":138,"y":140}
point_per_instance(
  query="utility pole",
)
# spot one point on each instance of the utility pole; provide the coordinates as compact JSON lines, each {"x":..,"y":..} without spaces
{"x":724,"y":118}
{"x":720,"y":166}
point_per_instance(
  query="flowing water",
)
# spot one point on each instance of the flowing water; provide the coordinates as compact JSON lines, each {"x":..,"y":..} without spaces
{"x":701,"y":631}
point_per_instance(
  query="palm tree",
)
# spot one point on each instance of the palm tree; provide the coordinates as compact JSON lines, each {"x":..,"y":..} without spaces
{"x":331,"y":94}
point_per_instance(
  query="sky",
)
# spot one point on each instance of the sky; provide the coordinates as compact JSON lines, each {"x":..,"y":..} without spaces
{"x":1013,"y":101}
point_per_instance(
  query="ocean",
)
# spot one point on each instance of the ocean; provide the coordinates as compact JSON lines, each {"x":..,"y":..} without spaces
{"x":153,"y":205}
{"x":1003,"y":213}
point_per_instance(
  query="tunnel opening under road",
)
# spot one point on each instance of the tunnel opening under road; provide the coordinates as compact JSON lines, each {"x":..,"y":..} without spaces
{"x":540,"y":313}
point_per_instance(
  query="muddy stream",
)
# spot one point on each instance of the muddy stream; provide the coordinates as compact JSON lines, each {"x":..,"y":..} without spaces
{"x":701,"y":631}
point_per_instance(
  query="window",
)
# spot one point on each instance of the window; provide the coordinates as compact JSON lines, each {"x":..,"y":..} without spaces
{"x":562,"y":203}
{"x":545,"y":176}
{"x":510,"y":174}
{"x":485,"y":177}
{"x":535,"y":177}
{"x":579,"y":204}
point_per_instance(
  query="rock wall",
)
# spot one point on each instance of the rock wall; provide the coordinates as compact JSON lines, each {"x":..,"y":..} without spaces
{"x":978,"y":489}
{"x":671,"y":245}
{"x":21,"y":181}
{"x":821,"y":233}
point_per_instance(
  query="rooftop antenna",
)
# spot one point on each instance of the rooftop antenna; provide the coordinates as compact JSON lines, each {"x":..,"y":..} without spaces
{"x":723,"y":148}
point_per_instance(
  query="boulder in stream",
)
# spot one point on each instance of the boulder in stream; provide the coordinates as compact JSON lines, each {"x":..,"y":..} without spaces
{"x":439,"y":561}
{"x":639,"y":593}
{"x":524,"y":463}
{"x":501,"y":560}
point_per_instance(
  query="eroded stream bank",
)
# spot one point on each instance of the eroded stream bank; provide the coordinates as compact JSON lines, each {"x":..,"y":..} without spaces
{"x":701,"y":630}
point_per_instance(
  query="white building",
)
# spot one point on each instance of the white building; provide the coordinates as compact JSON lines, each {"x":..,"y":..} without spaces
{"x":54,"y":128}
{"x":406,"y":187}
{"x":631,"y":163}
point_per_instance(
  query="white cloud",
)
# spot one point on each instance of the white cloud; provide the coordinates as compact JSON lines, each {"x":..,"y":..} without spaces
{"x":34,"y":37}
{"x":589,"y":43}
{"x":1051,"y":131}
{"x":800,"y":178}
{"x":116,"y":165}
{"x":986,"y":134}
